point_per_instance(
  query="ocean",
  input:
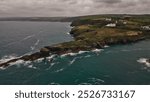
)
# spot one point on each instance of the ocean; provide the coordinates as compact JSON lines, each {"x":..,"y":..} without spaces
{"x":114,"y":65}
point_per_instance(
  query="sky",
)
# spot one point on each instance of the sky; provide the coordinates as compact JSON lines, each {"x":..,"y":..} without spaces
{"x":52,"y":8}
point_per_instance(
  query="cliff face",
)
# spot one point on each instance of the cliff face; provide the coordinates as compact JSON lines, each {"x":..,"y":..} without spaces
{"x":92,"y":32}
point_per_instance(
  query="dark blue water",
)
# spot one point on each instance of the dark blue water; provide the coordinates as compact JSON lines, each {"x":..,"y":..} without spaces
{"x":120,"y":64}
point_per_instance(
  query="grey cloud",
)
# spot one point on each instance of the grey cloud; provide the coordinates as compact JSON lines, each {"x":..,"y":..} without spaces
{"x":71,"y":7}
{"x":108,"y":1}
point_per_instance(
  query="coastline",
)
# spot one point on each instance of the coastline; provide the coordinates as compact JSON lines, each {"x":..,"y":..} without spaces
{"x":88,"y":36}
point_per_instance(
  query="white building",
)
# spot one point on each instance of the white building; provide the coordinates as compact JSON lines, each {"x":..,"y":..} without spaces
{"x":111,"y":25}
{"x":108,"y":19}
{"x":124,"y":22}
{"x":145,"y":27}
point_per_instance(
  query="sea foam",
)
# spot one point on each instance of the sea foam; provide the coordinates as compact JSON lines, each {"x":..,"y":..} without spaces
{"x":7,"y":58}
{"x":144,"y":61}
{"x":81,"y":52}
{"x":97,"y":50}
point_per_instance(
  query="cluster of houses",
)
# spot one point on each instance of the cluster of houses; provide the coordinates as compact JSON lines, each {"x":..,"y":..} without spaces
{"x":123,"y":22}
{"x":111,"y":24}
{"x":115,"y":23}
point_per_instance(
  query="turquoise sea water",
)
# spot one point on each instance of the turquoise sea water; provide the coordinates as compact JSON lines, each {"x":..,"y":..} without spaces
{"x":120,"y":64}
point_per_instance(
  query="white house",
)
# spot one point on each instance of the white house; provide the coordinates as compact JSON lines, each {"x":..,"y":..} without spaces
{"x":124,"y":22}
{"x":111,"y":25}
{"x":145,"y":27}
{"x":108,"y":19}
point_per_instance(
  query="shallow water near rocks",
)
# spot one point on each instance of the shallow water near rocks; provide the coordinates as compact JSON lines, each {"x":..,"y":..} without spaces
{"x":120,"y":64}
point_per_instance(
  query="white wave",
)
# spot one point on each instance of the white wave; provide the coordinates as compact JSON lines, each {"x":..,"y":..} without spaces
{"x":52,"y":64}
{"x":36,"y":43}
{"x":69,"y":54}
{"x":28,"y":37}
{"x":144,"y":61}
{"x":74,"y":54}
{"x":18,"y":63}
{"x":39,"y":60}
{"x":68,"y":33}
{"x":64,"y":55}
{"x":32,"y":67}
{"x":7,"y":58}
{"x":2,"y":68}
{"x":71,"y":62}
{"x":22,"y":62}
{"x":106,"y":46}
{"x":50,"y":57}
{"x":82,"y":52}
{"x":148,"y":64}
{"x":32,"y":48}
{"x":27,"y":63}
{"x":97,"y":50}
{"x":60,"y":70}
{"x":96,"y":80}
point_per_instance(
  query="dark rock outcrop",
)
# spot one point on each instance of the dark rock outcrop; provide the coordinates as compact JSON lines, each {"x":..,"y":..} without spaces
{"x":148,"y":60}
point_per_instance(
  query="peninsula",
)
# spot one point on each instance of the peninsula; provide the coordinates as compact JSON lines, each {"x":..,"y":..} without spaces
{"x":94,"y":32}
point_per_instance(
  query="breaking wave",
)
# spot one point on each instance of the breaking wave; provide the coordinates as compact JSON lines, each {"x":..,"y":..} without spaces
{"x":28,"y":37}
{"x":59,"y":70}
{"x":31,"y":66}
{"x":97,"y":50}
{"x":34,"y":46}
{"x":81,"y":52}
{"x":144,"y":61}
{"x":7,"y":58}
{"x":50,"y":58}
{"x":71,"y":62}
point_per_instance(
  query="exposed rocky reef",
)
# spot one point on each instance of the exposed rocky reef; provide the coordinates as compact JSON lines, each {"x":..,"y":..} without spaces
{"x":148,"y":60}
{"x":92,"y":32}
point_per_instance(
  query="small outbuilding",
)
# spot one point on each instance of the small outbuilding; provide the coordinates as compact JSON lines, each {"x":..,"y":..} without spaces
{"x":111,"y":25}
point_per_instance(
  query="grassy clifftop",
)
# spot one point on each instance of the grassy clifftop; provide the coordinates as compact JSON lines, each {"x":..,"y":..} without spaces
{"x":96,"y":31}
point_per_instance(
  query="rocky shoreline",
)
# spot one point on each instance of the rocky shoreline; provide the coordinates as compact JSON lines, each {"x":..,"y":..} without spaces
{"x":56,"y":49}
{"x":148,"y":60}
{"x":88,"y":36}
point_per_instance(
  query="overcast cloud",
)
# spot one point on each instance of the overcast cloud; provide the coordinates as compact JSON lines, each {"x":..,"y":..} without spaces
{"x":71,"y":7}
